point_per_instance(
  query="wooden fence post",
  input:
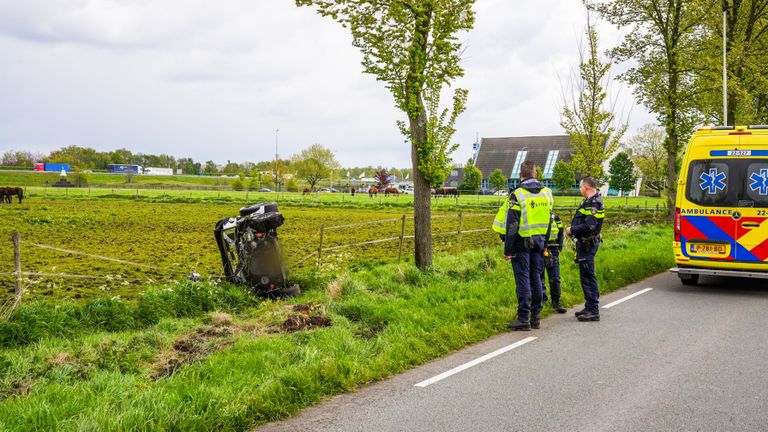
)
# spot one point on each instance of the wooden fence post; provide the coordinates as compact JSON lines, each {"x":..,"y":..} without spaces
{"x":17,"y":265}
{"x":402,"y":234}
{"x":461,"y":222}
{"x":320,"y":248}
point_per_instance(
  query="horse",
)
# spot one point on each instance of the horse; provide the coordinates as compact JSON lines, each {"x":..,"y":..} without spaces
{"x":372,"y":191}
{"x":353,"y":190}
{"x":8,"y":193}
{"x":3,"y":198}
{"x":391,"y":190}
{"x":306,"y":191}
{"x":446,"y":191}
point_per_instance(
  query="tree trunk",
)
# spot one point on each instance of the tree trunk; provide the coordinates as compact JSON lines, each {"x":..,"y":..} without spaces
{"x":422,"y":195}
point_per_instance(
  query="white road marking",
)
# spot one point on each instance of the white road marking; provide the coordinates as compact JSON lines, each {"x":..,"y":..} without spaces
{"x":610,"y":305}
{"x":474,"y":362}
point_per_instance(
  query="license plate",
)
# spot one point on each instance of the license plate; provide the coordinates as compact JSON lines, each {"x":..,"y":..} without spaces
{"x":709,"y":249}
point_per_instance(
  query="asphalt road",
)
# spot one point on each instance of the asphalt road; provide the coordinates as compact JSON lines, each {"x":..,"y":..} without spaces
{"x":675,"y":358}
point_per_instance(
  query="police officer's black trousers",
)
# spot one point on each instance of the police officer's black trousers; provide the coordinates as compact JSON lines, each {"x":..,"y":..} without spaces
{"x":586,"y":259}
{"x":527,"y":265}
{"x":554,"y":277}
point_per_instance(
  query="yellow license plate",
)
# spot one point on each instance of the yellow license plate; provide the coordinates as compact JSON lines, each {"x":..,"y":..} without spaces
{"x":709,"y":249}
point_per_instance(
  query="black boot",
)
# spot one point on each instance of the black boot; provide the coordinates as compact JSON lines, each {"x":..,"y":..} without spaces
{"x":519,"y":325}
{"x":589,"y":316}
{"x":535,"y":323}
{"x":558,"y":307}
{"x":581,"y":312}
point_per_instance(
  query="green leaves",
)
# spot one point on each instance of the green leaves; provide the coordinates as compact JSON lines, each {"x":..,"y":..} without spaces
{"x":314,"y":164}
{"x":563,"y":175}
{"x":622,"y":173}
{"x":587,"y":117}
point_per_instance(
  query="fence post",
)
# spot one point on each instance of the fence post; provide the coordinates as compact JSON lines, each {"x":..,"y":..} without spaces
{"x":320,"y":248}
{"x":17,"y":265}
{"x":402,"y":234}
{"x":461,"y":222}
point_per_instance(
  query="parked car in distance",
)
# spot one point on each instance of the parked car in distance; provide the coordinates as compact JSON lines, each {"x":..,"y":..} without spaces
{"x":265,"y":190}
{"x":501,"y":192}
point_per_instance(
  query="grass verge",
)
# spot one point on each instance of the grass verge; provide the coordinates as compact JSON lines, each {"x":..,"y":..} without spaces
{"x":234,"y":373}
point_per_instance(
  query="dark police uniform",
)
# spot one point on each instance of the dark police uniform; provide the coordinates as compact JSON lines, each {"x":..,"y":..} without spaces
{"x":587,"y":224}
{"x":552,"y":262}
{"x":530,"y":206}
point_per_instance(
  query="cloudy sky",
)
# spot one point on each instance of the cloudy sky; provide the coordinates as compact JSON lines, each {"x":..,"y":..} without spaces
{"x":214,"y":80}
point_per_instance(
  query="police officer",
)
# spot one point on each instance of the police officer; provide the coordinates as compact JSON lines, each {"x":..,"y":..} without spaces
{"x":527,"y":221}
{"x":585,"y":231}
{"x":552,"y":263}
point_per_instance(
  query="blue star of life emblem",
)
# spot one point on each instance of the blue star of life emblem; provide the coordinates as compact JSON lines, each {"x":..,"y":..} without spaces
{"x":712,"y":181}
{"x":759,"y":182}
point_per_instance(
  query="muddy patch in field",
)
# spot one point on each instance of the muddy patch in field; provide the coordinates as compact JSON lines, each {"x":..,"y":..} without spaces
{"x":306,"y":317}
{"x":191,"y":347}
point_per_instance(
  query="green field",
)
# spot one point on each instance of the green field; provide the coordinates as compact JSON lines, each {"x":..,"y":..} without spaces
{"x":178,"y":237}
{"x":170,"y":362}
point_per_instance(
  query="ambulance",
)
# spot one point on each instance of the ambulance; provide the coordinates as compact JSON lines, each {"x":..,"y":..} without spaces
{"x":721,"y":211}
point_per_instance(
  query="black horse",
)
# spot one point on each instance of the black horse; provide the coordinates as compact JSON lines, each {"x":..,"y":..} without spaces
{"x":6,"y":194}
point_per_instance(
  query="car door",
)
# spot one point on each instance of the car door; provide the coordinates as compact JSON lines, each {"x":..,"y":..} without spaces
{"x":708,"y":227}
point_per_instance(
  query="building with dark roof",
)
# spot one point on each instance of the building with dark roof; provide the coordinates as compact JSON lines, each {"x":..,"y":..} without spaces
{"x":508,"y":154}
{"x":455,"y":177}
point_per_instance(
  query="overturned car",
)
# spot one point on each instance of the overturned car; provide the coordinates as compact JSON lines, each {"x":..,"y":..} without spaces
{"x":250,"y":250}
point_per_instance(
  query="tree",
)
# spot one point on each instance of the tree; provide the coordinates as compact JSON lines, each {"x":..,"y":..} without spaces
{"x":231,"y":168}
{"x":81,"y":177}
{"x":622,"y":173}
{"x":747,"y":53}
{"x":539,"y":173}
{"x":314,"y":164}
{"x":586,"y":118}
{"x":382,"y":178}
{"x":239,"y":183}
{"x":563,"y":175}
{"x":662,"y":38}
{"x":23,"y":159}
{"x":472,"y":176}
{"x":649,"y":156}
{"x":411,"y":45}
{"x":497,"y":180}
{"x":211,"y":168}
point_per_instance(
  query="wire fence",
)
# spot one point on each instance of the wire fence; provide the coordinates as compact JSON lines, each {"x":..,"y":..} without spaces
{"x":319,"y":253}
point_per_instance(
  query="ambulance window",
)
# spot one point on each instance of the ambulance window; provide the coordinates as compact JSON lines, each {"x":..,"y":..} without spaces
{"x":708,"y":183}
{"x":756,"y":182}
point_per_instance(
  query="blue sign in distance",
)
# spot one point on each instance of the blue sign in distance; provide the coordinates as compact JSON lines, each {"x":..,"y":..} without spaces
{"x":712,"y":181}
{"x":759,"y":182}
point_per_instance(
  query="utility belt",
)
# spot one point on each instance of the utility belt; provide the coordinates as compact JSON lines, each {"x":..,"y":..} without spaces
{"x":589,"y":242}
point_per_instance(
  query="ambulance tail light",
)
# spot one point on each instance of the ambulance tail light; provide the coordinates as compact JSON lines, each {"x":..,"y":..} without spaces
{"x":677,"y":224}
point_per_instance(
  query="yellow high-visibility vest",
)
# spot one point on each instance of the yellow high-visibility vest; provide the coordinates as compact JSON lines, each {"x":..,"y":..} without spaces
{"x":535,"y":210}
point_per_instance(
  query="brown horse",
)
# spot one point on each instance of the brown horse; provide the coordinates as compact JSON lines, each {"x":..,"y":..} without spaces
{"x":446,"y":191}
{"x":353,"y":190}
{"x":392,"y":190}
{"x":306,"y":192}
{"x":373,"y":191}
{"x":8,"y":193}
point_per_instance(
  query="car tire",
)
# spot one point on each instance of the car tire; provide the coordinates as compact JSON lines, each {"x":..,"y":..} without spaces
{"x":689,"y":279}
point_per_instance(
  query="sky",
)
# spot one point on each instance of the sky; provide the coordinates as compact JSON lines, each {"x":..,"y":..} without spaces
{"x":216,"y":80}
